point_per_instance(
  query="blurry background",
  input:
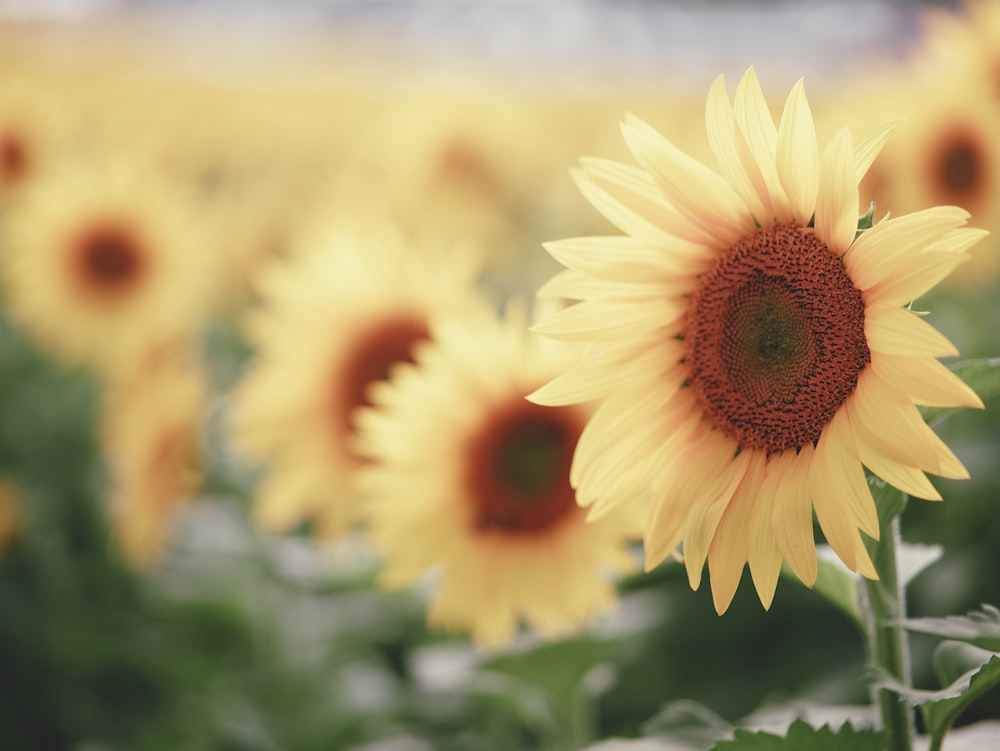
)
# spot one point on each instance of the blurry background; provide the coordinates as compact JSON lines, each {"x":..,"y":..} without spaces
{"x":461,"y":119}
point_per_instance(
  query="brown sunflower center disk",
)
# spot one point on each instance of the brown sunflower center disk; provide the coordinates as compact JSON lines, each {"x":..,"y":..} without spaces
{"x":109,"y":259}
{"x":371,"y":358}
{"x":13,"y":158}
{"x":518,"y":467}
{"x":775,"y":339}
{"x":958,"y":166}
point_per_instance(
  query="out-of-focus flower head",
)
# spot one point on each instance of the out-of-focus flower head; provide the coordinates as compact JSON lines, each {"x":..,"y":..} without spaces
{"x":100,"y":257}
{"x":333,"y":318}
{"x":469,"y":480}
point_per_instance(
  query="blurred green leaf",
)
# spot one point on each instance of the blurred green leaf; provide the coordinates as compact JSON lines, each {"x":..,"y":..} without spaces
{"x":836,"y":584}
{"x":804,"y":737}
{"x":981,"y":629}
{"x":940,"y":715}
{"x":953,"y":659}
{"x":689,"y":723}
{"x":981,"y":375}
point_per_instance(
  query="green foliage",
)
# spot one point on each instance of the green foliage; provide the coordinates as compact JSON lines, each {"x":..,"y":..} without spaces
{"x":803,"y":737}
{"x":981,"y":629}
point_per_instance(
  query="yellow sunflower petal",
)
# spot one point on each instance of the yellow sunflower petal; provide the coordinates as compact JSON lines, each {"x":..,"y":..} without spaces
{"x":895,"y":331}
{"x":924,"y":271}
{"x":926,"y":381}
{"x":731,"y":544}
{"x":754,"y":120}
{"x":908,"y":479}
{"x":606,"y":320}
{"x":730,"y":149}
{"x":704,"y":198}
{"x":624,"y":259}
{"x":868,"y":145}
{"x":764,"y":556}
{"x":797,"y":155}
{"x":792,"y":515}
{"x":837,"y":195}
{"x":893,"y":422}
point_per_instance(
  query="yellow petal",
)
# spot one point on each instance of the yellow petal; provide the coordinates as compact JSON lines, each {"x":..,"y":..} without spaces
{"x":892,"y":330}
{"x":868,"y":145}
{"x":600,"y":320}
{"x":895,"y":425}
{"x":908,"y":479}
{"x":837,"y":195}
{"x":623,"y":259}
{"x":731,"y":544}
{"x":924,"y":272}
{"x":731,"y":151}
{"x":704,"y":198}
{"x":754,"y":120}
{"x":714,"y":491}
{"x":798,"y":155}
{"x":888,"y":245}
{"x":926,"y":381}
{"x":570,"y":284}
{"x":792,"y":515}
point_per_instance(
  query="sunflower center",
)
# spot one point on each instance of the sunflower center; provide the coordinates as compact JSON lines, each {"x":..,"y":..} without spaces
{"x":108,"y":259}
{"x":775,"y":339}
{"x":13,"y":158}
{"x":960,"y":165}
{"x":374,"y":353}
{"x":518,"y":467}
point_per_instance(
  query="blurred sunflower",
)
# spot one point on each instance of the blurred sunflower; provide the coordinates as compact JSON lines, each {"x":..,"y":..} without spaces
{"x":99,"y":260}
{"x":28,"y":123}
{"x":752,"y":354}
{"x":151,"y":423}
{"x":333,"y":318}
{"x":963,"y":43}
{"x":470,"y":478}
{"x":946,"y":153}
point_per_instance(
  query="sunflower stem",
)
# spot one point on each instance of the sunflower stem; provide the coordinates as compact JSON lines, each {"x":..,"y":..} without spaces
{"x":884,"y":606}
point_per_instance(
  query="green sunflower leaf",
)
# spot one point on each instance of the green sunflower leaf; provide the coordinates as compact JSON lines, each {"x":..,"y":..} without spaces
{"x":982,"y":376}
{"x":802,"y":736}
{"x":979,"y":628}
{"x":940,"y":715}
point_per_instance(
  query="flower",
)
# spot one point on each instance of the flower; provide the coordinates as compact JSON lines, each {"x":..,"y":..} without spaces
{"x":151,"y":420}
{"x":332,"y":319}
{"x":100,"y":259}
{"x":751,"y":355}
{"x":469,"y":478}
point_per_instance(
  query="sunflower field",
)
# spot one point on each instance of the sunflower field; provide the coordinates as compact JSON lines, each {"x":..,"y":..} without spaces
{"x":489,"y":375}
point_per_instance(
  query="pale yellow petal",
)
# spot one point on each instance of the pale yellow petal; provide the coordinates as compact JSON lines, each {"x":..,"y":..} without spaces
{"x":730,"y":545}
{"x":922,"y":273}
{"x":837,"y":195}
{"x":888,"y":245}
{"x":895,"y":425}
{"x":714,"y":491}
{"x":607,"y":371}
{"x":732,"y":153}
{"x":868,"y":145}
{"x":895,"y":331}
{"x":926,"y":381}
{"x":798,"y":155}
{"x":571,"y":284}
{"x":599,"y":320}
{"x":700,"y":195}
{"x":624,"y":259}
{"x":908,"y":479}
{"x":792,"y":515}
{"x":754,"y":121}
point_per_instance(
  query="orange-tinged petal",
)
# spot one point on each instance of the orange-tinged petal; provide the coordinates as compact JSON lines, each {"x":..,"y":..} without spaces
{"x":837,"y":462}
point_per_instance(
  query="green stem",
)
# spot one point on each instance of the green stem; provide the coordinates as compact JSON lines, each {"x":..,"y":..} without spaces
{"x":888,"y":649}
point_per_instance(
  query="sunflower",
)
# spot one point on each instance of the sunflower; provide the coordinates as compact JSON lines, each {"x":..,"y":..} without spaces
{"x":750,"y":347}
{"x":101,"y":258}
{"x":470,"y":478}
{"x":151,"y":421}
{"x":332,"y":319}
